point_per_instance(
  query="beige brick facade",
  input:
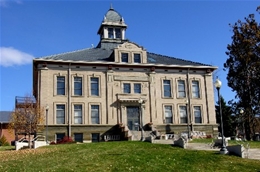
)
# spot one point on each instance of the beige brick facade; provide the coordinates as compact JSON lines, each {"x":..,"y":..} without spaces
{"x":114,"y":105}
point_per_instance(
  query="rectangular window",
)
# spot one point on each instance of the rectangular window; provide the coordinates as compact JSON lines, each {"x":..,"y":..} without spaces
{"x":111,"y":33}
{"x":94,"y":87}
{"x":183,"y":114}
{"x":127,"y":88}
{"x":60,"y":114}
{"x":195,"y":89}
{"x":78,"y":114}
{"x":118,"y":33}
{"x":61,"y":85}
{"x":137,"y":88}
{"x":166,"y":88}
{"x":197,"y":114}
{"x":77,"y":86}
{"x":95,"y":137}
{"x":59,"y":136}
{"x":168,"y":114}
{"x":181,"y":89}
{"x":124,"y":57}
{"x":78,"y":137}
{"x":95,"y":114}
{"x":137,"y":58}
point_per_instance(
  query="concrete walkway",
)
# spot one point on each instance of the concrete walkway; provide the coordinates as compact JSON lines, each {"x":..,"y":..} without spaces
{"x":252,"y":153}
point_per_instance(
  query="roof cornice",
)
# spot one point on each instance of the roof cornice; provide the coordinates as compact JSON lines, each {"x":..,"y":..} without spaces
{"x":123,"y":64}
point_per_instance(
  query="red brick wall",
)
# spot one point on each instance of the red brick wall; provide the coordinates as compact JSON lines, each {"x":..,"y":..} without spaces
{"x":10,"y":136}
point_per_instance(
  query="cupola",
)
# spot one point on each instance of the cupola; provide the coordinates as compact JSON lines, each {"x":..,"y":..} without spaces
{"x":113,"y":26}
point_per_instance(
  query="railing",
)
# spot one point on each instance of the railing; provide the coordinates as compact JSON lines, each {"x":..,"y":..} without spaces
{"x":111,"y":137}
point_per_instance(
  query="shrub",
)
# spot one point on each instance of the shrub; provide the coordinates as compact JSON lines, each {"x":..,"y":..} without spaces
{"x":66,"y":140}
{"x":3,"y":141}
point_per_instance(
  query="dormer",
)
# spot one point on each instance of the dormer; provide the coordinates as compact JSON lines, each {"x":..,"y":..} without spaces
{"x":113,"y":27}
{"x":130,"y":53}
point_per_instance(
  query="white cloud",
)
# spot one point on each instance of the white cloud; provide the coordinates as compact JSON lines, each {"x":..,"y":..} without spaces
{"x":5,"y":3}
{"x":10,"y":56}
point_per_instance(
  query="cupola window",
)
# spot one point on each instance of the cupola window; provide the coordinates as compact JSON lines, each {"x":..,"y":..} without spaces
{"x":118,"y":32}
{"x":110,"y":33}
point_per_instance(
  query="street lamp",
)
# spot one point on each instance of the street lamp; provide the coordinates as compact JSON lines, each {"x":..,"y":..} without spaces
{"x":140,"y":101}
{"x":244,"y":133}
{"x":223,"y":149}
{"x":188,"y":119}
{"x":47,"y":109}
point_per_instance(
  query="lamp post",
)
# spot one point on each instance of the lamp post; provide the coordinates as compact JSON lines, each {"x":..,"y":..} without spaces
{"x":188,"y":119}
{"x":140,"y":101}
{"x":47,"y":109}
{"x":241,"y":113}
{"x":223,"y":149}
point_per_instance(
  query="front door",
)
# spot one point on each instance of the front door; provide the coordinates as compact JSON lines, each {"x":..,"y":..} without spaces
{"x":133,"y":117}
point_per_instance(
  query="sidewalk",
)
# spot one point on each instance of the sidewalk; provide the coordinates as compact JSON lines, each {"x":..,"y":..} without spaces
{"x":252,"y":153}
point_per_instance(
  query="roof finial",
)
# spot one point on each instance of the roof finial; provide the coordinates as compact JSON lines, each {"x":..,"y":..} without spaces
{"x":111,"y":7}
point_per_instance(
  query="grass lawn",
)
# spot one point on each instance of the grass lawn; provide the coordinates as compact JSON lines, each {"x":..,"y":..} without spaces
{"x":252,"y":144}
{"x":121,"y":156}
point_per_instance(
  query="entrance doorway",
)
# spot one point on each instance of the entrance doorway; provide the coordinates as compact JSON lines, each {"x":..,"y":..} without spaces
{"x":133,"y":117}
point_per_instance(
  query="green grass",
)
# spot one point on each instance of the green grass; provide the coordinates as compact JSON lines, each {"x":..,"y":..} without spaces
{"x":252,"y":144}
{"x":121,"y":156}
{"x":2,"y":148}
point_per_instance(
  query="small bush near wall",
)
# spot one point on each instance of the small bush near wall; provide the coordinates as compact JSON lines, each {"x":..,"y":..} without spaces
{"x":65,"y":140}
{"x":3,"y":141}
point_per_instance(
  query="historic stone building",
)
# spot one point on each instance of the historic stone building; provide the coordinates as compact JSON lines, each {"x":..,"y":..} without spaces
{"x":119,"y":91}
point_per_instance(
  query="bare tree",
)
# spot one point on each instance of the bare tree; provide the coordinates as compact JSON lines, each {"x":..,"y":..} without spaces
{"x":26,"y":117}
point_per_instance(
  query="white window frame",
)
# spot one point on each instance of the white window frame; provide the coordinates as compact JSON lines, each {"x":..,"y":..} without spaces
{"x":194,"y":112}
{"x":183,"y":114}
{"x":82,"y":85}
{"x":99,"y":113}
{"x":78,"y":117}
{"x":165,"y":112}
{"x":163,"y":88}
{"x":56,"y":112}
{"x":181,"y":91}
{"x":195,"y":92}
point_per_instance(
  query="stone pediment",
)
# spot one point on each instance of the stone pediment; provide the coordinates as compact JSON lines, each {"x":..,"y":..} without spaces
{"x":129,"y":46}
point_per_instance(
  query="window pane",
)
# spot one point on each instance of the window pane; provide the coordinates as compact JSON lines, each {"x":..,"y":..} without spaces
{"x":127,"y":88}
{"x":59,"y":136}
{"x":197,"y":114}
{"x":137,"y":88}
{"x":60,"y":114}
{"x":78,"y":114}
{"x":167,"y":88}
{"x":183,"y":114}
{"x":94,"y":87}
{"x":95,"y":114}
{"x":78,"y":137}
{"x":168,"y":114}
{"x":181,"y":88}
{"x":137,"y":58}
{"x":118,"y":33}
{"x":110,"y":33}
{"x":195,"y":89}
{"x":78,"y":86}
{"x":124,"y":57}
{"x":60,"y":85}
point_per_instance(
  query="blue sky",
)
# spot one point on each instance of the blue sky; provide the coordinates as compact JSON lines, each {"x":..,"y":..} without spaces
{"x":192,"y":30}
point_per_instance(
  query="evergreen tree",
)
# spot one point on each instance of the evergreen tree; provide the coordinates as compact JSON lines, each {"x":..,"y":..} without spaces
{"x":229,"y":125}
{"x":243,"y":66}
